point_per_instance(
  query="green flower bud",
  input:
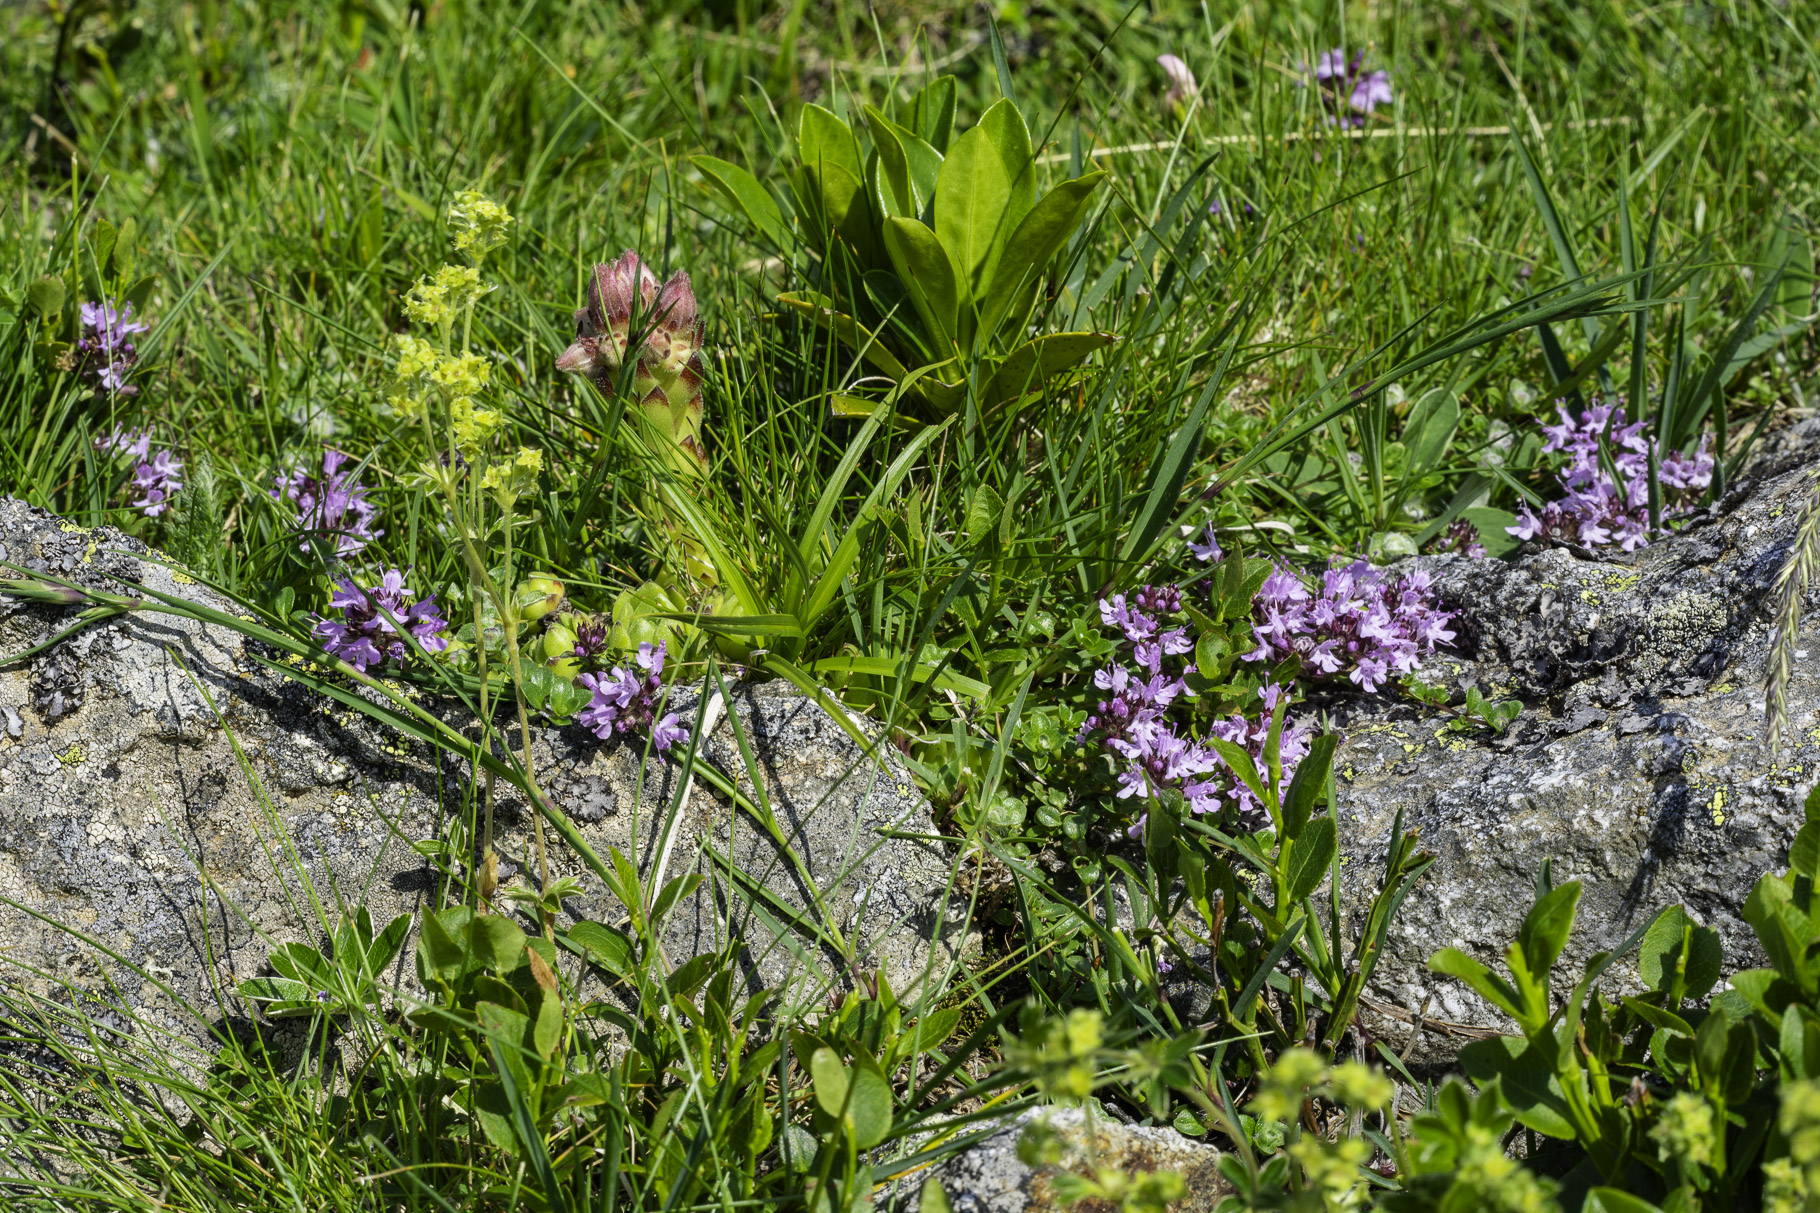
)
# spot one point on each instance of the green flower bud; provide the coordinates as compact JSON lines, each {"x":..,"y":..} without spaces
{"x":538,"y":596}
{"x":559,"y":642}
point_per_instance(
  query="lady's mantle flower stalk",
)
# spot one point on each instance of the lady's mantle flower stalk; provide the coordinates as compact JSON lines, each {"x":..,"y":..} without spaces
{"x":1597,"y":510}
{"x":1362,"y":622}
{"x":625,"y":702}
{"x":155,"y":477}
{"x":368,"y":633}
{"x":104,"y":350}
{"x":332,"y":506}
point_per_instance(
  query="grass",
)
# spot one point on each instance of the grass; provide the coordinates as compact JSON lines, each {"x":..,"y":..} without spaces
{"x":285,"y":169}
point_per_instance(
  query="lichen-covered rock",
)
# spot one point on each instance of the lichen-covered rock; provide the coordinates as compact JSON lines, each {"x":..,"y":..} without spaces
{"x":989,"y":1177}
{"x":166,"y":798}
{"x":1638,"y":765}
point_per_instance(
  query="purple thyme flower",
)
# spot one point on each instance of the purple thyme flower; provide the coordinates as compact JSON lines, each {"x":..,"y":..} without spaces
{"x":1596,"y":510}
{"x":1462,"y":537}
{"x":1348,"y":86}
{"x":333,"y":504}
{"x":1362,"y":622}
{"x":590,"y":638}
{"x":104,"y":350}
{"x":155,"y":476}
{"x":625,"y":702}
{"x":1207,"y":548}
{"x":368,"y":633}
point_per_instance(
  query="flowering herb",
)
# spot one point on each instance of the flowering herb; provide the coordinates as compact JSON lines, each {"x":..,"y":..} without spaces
{"x":368,"y":633}
{"x":1598,"y":510}
{"x":1362,"y":622}
{"x":1462,"y":537}
{"x":333,"y":504}
{"x":1347,"y":90}
{"x":1134,"y":721}
{"x":155,"y":474}
{"x":105,"y":351}
{"x":626,"y":702}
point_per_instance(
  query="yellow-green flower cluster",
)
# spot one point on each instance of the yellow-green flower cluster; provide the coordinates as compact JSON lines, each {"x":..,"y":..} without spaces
{"x":1332,"y":1169}
{"x":1300,"y":1074}
{"x":1061,"y":1053}
{"x":414,"y":361}
{"x":438,"y":299}
{"x":510,"y":479}
{"x":479,"y":223}
{"x":1684,"y":1131}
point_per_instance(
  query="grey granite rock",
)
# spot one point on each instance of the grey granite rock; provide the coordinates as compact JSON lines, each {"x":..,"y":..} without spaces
{"x":178,"y":805}
{"x":988,"y":1177}
{"x":1638,"y":765}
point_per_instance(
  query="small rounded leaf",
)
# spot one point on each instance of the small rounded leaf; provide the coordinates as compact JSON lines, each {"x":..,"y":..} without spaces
{"x":46,"y":295}
{"x":830,"y":1081}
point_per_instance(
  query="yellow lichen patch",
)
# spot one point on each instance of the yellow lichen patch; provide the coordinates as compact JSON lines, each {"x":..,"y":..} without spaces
{"x":1718,"y":807}
{"x":1619,"y":583}
{"x":182,"y":578}
{"x":72,"y":756}
{"x":1408,"y":748}
{"x":1590,"y":598}
{"x":1724,"y":688}
{"x":70,"y":528}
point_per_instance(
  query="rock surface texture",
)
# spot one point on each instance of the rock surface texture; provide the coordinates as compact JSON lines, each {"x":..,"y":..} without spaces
{"x":128,"y":815}
{"x":988,"y":1177}
{"x":1638,"y":766}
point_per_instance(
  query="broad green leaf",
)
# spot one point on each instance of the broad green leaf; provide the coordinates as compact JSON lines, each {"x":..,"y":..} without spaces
{"x":385,"y":947}
{"x":1526,"y":1079}
{"x":1493,"y":526}
{"x":1661,"y":955}
{"x":613,"y":950}
{"x":1429,"y":430}
{"x":1545,"y":929}
{"x":893,"y":187}
{"x":300,"y":962}
{"x":935,"y":1200}
{"x":1033,"y":365}
{"x":47,"y":295}
{"x":546,"y":1028}
{"x":439,"y":951}
{"x":1451,"y":962}
{"x":1309,"y":782}
{"x":1804,"y":852}
{"x":1238,"y":761}
{"x":1039,"y":236}
{"x":1310,"y":856}
{"x":983,"y":514}
{"x":496,"y":942}
{"x":987,"y":186}
{"x":870,"y":1107}
{"x":932,"y":112}
{"x":747,"y":195}
{"x":830,"y":155}
{"x":1616,"y":1200}
{"x":830,"y":1081}
{"x":928,"y":275}
{"x":689,"y":976}
{"x":893,"y":667}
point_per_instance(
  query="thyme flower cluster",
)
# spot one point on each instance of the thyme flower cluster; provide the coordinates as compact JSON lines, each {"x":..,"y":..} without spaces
{"x":1361,"y":622}
{"x":1597,"y":510}
{"x":332,"y":506}
{"x":369,"y":631}
{"x":626,"y":702}
{"x":105,"y":351}
{"x":155,"y":474}
{"x":1134,"y":723}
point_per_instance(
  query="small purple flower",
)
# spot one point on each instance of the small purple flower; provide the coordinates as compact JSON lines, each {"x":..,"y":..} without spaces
{"x":333,"y":505}
{"x":1182,"y":84}
{"x":590,"y":639}
{"x":1207,"y":548}
{"x":1347,"y":85}
{"x":104,"y":350}
{"x":368,"y":633}
{"x":1595,"y":510}
{"x":155,"y":476}
{"x":1462,"y":537}
{"x":1362,"y":622}
{"x":625,"y":702}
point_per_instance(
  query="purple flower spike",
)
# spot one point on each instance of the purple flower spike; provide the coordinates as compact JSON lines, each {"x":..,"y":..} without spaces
{"x":368,"y":633}
{"x":155,"y":476}
{"x":333,"y":504}
{"x":1347,"y":85}
{"x":625,"y":702}
{"x":104,"y":351}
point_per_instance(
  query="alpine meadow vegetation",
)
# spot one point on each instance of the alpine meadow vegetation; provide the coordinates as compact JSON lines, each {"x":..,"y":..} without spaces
{"x":1048,"y":393}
